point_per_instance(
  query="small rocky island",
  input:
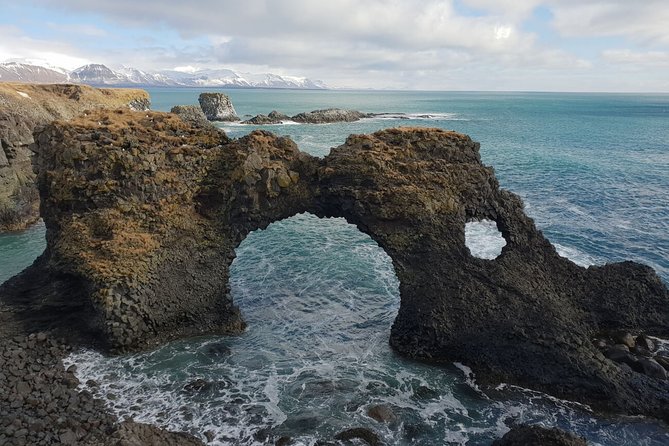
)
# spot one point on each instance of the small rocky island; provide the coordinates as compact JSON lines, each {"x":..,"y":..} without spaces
{"x":217,"y":107}
{"x":325,"y":116}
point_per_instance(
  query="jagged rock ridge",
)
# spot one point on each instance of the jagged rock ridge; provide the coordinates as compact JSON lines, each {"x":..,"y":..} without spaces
{"x":144,"y":211}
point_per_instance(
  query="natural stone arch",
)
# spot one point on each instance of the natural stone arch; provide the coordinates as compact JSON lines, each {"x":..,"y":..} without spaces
{"x":143,"y":212}
{"x":322,"y":267}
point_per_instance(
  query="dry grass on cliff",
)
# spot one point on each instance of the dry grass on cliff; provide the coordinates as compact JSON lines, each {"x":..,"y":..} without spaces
{"x":63,"y":101}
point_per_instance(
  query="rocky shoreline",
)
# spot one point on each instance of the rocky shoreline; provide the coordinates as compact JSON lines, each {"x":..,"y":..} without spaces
{"x":40,"y":403}
{"x":132,"y":200}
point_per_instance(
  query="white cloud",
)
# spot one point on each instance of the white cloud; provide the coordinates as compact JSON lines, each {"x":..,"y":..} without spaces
{"x":16,"y":45}
{"x":399,"y":43}
{"x":78,"y":30}
{"x":638,"y":59}
{"x":517,"y":9}
{"x":645,"y":21}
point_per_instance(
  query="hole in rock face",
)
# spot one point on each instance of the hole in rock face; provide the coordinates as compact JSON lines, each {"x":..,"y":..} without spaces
{"x":484,"y":239}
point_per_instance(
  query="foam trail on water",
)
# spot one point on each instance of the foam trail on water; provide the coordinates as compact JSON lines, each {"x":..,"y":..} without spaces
{"x":320,"y":298}
{"x":578,"y":257}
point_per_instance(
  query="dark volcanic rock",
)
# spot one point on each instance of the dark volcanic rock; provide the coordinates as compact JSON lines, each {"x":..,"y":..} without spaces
{"x":191,"y":113}
{"x":23,"y":107}
{"x":653,"y":368}
{"x":42,"y":405}
{"x":144,"y":211}
{"x":538,"y":436}
{"x":382,"y":414}
{"x":368,"y":436}
{"x":645,"y":343}
{"x":640,"y":358}
{"x":273,"y":118}
{"x":329,"y":115}
{"x":217,"y":107}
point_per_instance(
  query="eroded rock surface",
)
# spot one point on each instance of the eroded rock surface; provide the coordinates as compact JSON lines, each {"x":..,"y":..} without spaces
{"x":192,"y":114}
{"x":23,"y":107}
{"x":326,"y":116}
{"x":40,"y":403}
{"x":217,"y":107}
{"x":538,"y":436}
{"x":329,"y":115}
{"x":274,"y":117}
{"x":144,"y":211}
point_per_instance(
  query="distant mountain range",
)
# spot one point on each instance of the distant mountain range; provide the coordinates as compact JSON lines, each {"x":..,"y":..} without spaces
{"x":101,"y":75}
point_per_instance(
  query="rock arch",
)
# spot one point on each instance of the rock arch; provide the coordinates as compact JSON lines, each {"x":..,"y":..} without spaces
{"x":143,"y":212}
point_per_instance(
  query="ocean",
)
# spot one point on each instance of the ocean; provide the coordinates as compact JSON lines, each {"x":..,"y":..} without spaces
{"x":319,"y":296}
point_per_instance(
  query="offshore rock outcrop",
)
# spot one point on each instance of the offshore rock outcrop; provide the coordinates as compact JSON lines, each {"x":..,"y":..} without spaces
{"x":144,"y":211}
{"x":326,"y":116}
{"x":217,"y":107}
{"x":24,"y":107}
{"x":274,"y":117}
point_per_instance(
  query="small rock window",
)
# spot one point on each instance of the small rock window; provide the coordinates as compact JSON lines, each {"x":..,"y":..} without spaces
{"x":484,"y":239}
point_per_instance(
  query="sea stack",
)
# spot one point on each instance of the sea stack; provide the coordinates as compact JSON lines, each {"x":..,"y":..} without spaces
{"x":217,"y":107}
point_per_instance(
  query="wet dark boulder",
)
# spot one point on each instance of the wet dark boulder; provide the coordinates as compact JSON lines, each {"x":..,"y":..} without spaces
{"x":382,"y":414}
{"x":652,"y":368}
{"x":368,"y":436}
{"x":539,"y":436}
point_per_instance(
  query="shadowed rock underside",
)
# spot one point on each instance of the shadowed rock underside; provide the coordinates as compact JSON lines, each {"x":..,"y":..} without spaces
{"x":144,"y":211}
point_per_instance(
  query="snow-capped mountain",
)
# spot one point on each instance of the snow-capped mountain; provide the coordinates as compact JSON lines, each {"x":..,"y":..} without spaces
{"x":23,"y":72}
{"x":97,"y":74}
{"x":101,"y":75}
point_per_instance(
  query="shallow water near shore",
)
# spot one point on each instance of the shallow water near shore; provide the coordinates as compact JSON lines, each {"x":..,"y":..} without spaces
{"x":320,"y":297}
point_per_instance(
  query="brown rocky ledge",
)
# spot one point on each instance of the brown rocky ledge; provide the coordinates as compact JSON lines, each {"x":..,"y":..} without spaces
{"x":23,"y":107}
{"x":144,"y":211}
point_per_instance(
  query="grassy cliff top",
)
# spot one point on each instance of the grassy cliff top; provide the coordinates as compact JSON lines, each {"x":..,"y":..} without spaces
{"x":64,"y":101}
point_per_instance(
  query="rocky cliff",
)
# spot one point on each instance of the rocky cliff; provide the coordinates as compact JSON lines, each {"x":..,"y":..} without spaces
{"x":144,"y":211}
{"x":217,"y":107}
{"x":23,"y":107}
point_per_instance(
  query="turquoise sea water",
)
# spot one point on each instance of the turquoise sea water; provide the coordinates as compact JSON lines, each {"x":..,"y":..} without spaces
{"x":320,"y":296}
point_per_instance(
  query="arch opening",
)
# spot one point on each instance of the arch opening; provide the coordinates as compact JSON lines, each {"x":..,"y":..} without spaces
{"x":484,"y":239}
{"x":319,"y":298}
{"x":315,"y":280}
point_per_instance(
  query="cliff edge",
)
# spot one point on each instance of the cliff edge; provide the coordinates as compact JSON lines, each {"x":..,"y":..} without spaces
{"x":23,"y":108}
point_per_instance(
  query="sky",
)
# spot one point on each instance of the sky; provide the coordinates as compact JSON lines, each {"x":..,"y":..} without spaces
{"x":482,"y":45}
